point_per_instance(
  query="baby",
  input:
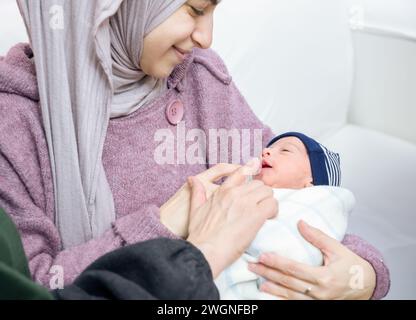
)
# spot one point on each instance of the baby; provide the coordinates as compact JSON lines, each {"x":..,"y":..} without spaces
{"x":305,"y":177}
{"x":295,"y":161}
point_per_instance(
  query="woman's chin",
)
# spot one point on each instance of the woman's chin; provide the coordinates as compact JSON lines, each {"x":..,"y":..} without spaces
{"x":161,"y":70}
{"x":162,"y":73}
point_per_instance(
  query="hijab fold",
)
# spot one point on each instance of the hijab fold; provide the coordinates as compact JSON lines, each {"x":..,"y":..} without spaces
{"x":87,"y":58}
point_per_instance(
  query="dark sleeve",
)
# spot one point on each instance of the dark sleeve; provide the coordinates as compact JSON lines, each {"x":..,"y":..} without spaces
{"x":157,"y":269}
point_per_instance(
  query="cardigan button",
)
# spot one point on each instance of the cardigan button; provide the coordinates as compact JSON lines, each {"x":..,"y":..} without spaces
{"x":175,"y":112}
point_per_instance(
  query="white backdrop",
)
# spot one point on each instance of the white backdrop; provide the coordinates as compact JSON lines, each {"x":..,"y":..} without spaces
{"x":292,"y":60}
{"x":12,"y":29}
{"x":384,"y":97}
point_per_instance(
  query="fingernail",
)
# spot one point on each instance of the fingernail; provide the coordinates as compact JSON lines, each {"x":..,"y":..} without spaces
{"x":305,"y":223}
{"x":253,"y":163}
{"x":254,"y":166}
{"x":263,"y":287}
{"x":252,"y":266}
{"x":263,"y":258}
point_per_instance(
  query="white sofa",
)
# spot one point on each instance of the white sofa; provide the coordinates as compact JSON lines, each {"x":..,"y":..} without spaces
{"x":344,"y":72}
{"x":12,"y":29}
{"x":301,"y":67}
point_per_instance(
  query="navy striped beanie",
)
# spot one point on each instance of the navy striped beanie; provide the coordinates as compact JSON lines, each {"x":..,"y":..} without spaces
{"x":325,"y":164}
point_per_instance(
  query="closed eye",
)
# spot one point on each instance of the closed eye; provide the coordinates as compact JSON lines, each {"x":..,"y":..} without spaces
{"x":197,"y":11}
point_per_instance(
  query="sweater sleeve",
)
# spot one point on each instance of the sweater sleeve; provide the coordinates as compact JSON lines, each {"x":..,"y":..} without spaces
{"x":26,"y":194}
{"x":374,"y":257}
{"x":178,"y":271}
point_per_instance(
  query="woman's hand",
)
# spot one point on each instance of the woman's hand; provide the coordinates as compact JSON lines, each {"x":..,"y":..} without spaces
{"x":174,"y":214}
{"x":225,"y":224}
{"x":344,"y":275}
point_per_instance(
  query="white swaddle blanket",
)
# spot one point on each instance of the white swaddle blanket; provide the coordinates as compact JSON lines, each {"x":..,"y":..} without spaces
{"x":323,"y":207}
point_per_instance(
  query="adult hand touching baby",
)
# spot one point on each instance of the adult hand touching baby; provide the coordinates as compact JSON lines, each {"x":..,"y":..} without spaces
{"x":174,"y":214}
{"x":344,"y":275}
{"x":223,"y":225}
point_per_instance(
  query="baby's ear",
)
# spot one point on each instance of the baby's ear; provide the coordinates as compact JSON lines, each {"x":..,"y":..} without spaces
{"x":309,"y":183}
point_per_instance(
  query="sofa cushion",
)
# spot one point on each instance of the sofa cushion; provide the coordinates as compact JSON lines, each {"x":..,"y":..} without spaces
{"x":380,"y":170}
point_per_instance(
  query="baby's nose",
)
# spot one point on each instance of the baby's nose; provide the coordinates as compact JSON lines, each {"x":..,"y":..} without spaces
{"x":266,"y":153}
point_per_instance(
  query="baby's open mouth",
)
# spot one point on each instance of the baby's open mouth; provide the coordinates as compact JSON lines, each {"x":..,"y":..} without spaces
{"x":265,"y":164}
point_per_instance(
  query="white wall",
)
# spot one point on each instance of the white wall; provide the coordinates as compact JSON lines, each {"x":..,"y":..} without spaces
{"x":292,"y":60}
{"x":396,"y":14}
{"x":384,"y":94}
{"x":12,"y":28}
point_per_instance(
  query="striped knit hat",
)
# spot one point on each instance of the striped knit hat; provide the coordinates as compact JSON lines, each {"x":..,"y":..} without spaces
{"x":325,"y":164}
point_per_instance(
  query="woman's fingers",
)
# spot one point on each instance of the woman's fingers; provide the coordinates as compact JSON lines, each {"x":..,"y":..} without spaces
{"x":269,"y":206}
{"x":319,"y":239}
{"x":282,"y":292}
{"x":290,"y":267}
{"x":262,"y":192}
{"x":217,"y":172}
{"x":257,"y":192}
{"x":198,"y":195}
{"x":280,"y":278}
{"x":254,"y":190}
{"x":239,"y":176}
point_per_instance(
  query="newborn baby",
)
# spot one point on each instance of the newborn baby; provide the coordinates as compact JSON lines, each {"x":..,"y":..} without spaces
{"x":305,"y":177}
{"x":295,"y":161}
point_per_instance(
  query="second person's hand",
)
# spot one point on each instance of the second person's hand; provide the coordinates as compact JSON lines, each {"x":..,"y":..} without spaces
{"x":224,"y":225}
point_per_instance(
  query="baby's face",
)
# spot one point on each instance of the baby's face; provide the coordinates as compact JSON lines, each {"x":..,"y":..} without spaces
{"x":286,"y":165}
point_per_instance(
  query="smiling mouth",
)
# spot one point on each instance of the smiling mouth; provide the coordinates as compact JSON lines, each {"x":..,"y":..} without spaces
{"x":182,"y":54}
{"x":179,"y":54}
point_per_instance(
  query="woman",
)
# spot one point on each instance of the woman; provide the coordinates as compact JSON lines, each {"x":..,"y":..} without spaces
{"x":83,"y":179}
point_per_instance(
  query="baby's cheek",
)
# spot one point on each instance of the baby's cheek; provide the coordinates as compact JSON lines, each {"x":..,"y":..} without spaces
{"x":266,"y":177}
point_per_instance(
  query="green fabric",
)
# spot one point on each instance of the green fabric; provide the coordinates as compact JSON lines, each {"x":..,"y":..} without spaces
{"x":15,"y":276}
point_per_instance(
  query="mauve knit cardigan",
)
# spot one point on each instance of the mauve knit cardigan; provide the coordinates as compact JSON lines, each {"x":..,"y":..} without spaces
{"x":139,"y":185}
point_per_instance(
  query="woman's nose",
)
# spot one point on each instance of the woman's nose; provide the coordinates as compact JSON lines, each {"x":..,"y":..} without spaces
{"x":202,"y":34}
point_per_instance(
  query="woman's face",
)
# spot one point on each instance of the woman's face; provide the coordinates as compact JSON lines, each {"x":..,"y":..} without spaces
{"x":190,"y":26}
